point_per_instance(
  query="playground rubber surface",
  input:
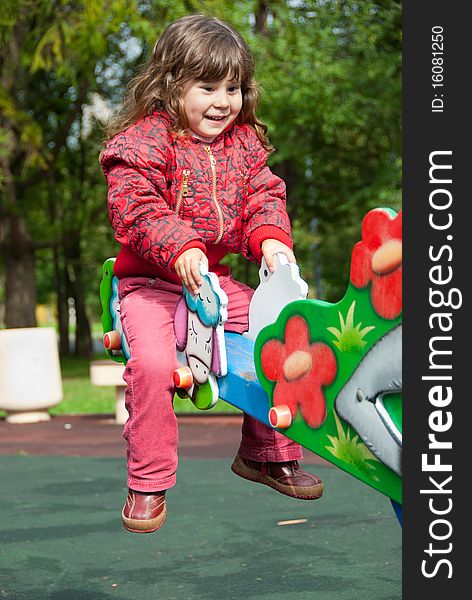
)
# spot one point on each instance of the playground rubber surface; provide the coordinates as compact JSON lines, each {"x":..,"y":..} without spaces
{"x":63,"y":485}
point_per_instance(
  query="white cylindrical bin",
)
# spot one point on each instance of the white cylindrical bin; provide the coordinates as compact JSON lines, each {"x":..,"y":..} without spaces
{"x":30,"y":373}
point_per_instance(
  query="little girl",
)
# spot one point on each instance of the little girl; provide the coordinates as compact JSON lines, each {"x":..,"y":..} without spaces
{"x":188,"y":182}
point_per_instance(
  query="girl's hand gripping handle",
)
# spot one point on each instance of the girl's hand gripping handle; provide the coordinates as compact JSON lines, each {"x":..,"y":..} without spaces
{"x":187,"y":267}
{"x":270,"y":247}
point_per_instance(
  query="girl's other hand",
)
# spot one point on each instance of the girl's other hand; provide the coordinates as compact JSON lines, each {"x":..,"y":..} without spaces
{"x":187,"y":267}
{"x":270,"y":247}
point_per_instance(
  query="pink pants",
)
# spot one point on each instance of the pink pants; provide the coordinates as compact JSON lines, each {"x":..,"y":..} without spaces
{"x":147,"y":313}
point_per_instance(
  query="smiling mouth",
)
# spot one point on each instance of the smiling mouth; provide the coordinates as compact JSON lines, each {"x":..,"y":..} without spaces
{"x":213,"y":118}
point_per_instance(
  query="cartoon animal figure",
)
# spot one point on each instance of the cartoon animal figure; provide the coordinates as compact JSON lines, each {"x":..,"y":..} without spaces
{"x":199,"y":329}
{"x":275,"y":291}
{"x":361,"y":401}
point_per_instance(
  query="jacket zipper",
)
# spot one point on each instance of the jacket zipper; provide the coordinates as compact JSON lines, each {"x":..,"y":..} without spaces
{"x":183,"y":190}
{"x":213,"y":186}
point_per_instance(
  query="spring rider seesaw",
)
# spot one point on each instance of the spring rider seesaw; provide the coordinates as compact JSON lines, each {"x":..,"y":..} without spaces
{"x":328,"y":376}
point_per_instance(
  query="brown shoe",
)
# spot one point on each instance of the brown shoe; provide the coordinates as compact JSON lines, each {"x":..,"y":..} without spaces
{"x":144,"y":512}
{"x":285,"y":477}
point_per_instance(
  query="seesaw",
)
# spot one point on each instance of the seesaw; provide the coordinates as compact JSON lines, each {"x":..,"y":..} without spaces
{"x":326,"y":375}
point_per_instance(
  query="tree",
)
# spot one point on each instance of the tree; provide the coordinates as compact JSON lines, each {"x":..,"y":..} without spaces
{"x":49,"y":67}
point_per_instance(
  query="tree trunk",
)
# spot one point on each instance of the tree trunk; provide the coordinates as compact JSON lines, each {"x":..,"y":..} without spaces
{"x":62,"y":305}
{"x":20,"y":276}
{"x":19,"y":259}
{"x":261,"y":17}
{"x":83,"y":336}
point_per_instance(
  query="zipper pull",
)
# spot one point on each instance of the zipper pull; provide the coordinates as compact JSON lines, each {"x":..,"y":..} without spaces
{"x":185,"y":175}
{"x":210,"y":155}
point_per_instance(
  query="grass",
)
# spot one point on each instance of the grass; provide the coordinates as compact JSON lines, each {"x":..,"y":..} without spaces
{"x":81,"y":397}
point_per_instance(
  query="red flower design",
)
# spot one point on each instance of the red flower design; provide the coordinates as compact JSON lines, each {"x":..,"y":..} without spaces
{"x":300,"y":370}
{"x":377,"y":258}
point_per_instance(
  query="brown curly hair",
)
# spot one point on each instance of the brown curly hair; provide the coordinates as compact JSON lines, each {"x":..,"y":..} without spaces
{"x":195,"y":47}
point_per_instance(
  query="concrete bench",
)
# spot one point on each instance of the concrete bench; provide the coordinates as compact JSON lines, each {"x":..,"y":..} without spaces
{"x":109,"y":373}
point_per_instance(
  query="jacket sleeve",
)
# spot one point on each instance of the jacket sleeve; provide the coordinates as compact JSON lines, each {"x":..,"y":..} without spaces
{"x":265,"y":213}
{"x":138,"y":200}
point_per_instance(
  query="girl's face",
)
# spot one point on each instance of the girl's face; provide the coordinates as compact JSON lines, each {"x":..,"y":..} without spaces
{"x":211,"y":106}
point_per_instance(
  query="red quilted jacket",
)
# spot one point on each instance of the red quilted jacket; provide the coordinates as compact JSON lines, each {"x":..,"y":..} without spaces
{"x":167,"y":195}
